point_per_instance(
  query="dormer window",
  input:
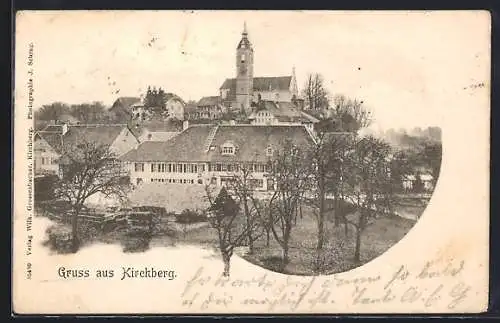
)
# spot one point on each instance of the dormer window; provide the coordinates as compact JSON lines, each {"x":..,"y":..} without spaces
{"x":269,"y":151}
{"x":228,"y":149}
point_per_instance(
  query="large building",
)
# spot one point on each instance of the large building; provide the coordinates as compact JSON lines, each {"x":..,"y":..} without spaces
{"x":211,"y":154}
{"x":238,"y":93}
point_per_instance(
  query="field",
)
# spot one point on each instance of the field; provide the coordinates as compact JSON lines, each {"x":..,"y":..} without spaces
{"x":338,"y":249}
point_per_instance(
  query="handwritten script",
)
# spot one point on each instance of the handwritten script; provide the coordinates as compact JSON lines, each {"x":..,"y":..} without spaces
{"x":427,"y":287}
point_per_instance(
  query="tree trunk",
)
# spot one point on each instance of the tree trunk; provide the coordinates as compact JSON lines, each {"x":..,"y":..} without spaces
{"x":285,"y":257}
{"x":358,"y":246}
{"x":346,"y":227}
{"x":226,"y":258}
{"x":286,"y":240}
{"x":336,"y":211}
{"x":249,"y":228}
{"x":75,"y":241}
{"x":268,"y":236}
{"x":321,"y":218}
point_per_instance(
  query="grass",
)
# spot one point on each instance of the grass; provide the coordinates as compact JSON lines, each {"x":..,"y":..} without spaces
{"x":338,"y":254}
{"x":338,"y":249}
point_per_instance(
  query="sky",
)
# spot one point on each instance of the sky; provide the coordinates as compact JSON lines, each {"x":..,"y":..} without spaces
{"x":408,"y":68}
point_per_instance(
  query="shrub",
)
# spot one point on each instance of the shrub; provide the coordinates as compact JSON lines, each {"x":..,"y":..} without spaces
{"x":190,"y":216}
{"x":59,"y":239}
{"x":136,"y":241}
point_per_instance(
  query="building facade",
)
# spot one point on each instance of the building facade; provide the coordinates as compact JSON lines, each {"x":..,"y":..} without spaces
{"x":212,"y":154}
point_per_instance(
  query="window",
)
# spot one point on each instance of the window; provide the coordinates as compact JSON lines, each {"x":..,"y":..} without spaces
{"x":228,"y":149}
{"x":139,"y":167}
{"x":256,"y":183}
{"x":153,"y":167}
{"x":179,"y":168}
{"x":269,"y":151}
{"x":200,"y":181}
{"x":43,"y":160}
{"x":270,"y":184}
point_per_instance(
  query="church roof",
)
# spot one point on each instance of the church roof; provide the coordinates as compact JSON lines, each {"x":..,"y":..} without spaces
{"x":267,"y":83}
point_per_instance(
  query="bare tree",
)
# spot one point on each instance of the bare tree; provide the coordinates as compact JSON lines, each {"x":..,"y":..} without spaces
{"x":52,"y":111}
{"x":225,"y":218}
{"x":369,"y":185}
{"x":326,"y":156}
{"x":353,"y":114}
{"x":289,"y":172}
{"x":315,"y":93}
{"x":89,"y":168}
{"x":241,"y":184}
{"x":89,"y":112}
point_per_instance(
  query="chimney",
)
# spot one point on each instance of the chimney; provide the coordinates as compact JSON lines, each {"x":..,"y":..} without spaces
{"x":185,"y":125}
{"x":64,"y":128}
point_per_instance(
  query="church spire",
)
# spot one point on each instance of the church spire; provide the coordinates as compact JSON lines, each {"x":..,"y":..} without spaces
{"x":244,"y":33}
{"x":294,"y":89}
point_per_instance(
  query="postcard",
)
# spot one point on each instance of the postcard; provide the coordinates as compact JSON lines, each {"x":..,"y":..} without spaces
{"x":258,"y":162}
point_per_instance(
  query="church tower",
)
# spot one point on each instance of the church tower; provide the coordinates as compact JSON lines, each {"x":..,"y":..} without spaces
{"x":244,"y":72}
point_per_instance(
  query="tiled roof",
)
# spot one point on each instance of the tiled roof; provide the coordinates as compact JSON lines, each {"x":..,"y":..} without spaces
{"x":102,"y":134}
{"x":163,"y":126}
{"x":189,"y":145}
{"x":284,"y":112}
{"x":209,"y":100}
{"x":262,"y":84}
{"x":54,"y":139}
{"x":53,"y":128}
{"x":190,"y":108}
{"x":271,"y":83}
{"x":126,"y":102}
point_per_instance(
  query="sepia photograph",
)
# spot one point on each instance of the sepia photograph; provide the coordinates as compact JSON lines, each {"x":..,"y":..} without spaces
{"x":304,"y":144}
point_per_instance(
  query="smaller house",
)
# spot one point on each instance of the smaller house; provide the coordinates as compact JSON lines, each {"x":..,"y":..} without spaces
{"x":175,"y":106}
{"x":50,"y":143}
{"x":123,"y":108}
{"x":412,"y":181}
{"x":210,"y":107}
{"x":280,"y":113}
